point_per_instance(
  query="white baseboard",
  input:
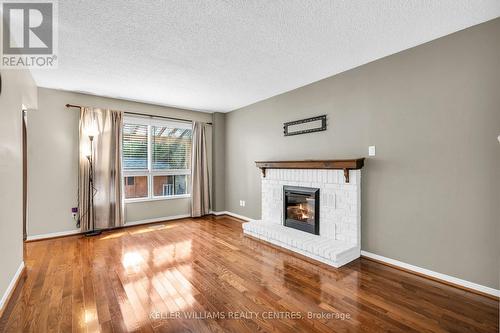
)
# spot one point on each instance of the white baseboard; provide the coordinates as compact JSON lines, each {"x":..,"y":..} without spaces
{"x":241,"y":217}
{"x":156,"y":219}
{"x":10,"y":287}
{"x":436,"y":275}
{"x":54,"y":234}
{"x":127,"y":224}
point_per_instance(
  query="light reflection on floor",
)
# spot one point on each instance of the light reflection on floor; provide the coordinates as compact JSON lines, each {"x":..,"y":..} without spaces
{"x":138,"y":231}
{"x":132,"y":260}
{"x":183,"y":291}
{"x":114,"y":235}
{"x":171,"y":280}
{"x":171,"y":253}
{"x":144,"y":230}
{"x":90,"y":317}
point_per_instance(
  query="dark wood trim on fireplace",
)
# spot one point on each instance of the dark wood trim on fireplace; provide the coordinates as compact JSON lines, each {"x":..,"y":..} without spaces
{"x":346,"y":165}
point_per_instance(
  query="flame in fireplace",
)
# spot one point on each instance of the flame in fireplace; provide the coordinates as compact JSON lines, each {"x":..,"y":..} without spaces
{"x":303,"y":212}
{"x":300,"y":211}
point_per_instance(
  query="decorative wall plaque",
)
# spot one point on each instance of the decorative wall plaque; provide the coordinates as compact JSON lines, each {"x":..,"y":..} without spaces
{"x":303,"y":126}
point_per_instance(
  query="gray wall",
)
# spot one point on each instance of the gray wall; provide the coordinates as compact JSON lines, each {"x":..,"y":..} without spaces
{"x":18,"y":89}
{"x":53,"y":161}
{"x":431,"y":195}
{"x":219,"y":159}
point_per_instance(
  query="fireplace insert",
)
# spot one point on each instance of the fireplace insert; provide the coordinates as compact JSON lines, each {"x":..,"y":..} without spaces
{"x":301,"y":208}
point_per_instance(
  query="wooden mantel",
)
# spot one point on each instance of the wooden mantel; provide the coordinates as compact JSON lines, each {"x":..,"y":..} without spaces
{"x":346,"y":165}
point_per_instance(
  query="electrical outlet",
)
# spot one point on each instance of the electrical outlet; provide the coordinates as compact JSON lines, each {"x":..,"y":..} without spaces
{"x":371,"y":151}
{"x":242,"y":203}
{"x":74,"y":212}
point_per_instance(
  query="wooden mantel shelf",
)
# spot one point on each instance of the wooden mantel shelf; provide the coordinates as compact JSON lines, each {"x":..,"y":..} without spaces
{"x":346,"y":165}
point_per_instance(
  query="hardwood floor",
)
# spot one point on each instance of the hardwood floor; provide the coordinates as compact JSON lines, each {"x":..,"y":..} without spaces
{"x":142,"y":278}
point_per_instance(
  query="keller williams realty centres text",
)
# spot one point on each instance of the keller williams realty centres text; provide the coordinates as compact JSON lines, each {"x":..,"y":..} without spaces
{"x":270,"y":315}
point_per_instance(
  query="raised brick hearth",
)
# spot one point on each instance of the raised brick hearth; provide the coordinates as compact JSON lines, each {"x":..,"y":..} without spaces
{"x":340,"y":219}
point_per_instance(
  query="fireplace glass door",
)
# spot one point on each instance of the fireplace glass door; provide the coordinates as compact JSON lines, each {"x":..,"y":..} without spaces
{"x":301,"y":208}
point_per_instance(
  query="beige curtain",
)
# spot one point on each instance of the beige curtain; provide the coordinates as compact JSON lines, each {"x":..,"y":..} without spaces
{"x":200,"y":192}
{"x":108,"y":206}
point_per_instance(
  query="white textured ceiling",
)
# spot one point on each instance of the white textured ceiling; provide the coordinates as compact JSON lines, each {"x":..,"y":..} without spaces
{"x":221,"y":55}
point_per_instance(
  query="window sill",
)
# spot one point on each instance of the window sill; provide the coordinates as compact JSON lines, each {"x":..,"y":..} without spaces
{"x":172,"y":197}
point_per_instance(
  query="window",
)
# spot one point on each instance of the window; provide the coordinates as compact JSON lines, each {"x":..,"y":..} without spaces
{"x":135,"y":147}
{"x":129,"y":181}
{"x":156,"y":158}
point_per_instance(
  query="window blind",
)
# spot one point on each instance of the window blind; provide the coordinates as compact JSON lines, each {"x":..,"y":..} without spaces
{"x":171,"y":147}
{"x":135,"y":147}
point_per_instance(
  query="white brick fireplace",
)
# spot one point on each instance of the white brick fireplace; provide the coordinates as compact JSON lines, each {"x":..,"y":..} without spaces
{"x":339,"y":239}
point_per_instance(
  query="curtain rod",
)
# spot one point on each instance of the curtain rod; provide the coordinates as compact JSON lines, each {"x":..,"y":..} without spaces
{"x":140,"y":114}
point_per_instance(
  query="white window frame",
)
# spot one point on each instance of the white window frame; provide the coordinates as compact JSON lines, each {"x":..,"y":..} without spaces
{"x":150,"y":173}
